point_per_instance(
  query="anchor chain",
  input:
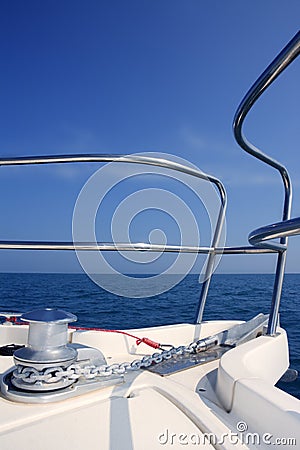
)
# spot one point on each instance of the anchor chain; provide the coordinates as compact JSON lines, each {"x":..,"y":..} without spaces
{"x":73,"y":372}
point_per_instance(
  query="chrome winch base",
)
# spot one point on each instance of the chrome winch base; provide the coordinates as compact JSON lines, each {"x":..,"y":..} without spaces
{"x":41,"y":367}
{"x":56,"y":391}
{"x":47,"y":349}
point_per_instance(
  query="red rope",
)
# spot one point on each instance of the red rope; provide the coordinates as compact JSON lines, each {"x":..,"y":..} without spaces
{"x":139,"y":340}
{"x":12,"y":319}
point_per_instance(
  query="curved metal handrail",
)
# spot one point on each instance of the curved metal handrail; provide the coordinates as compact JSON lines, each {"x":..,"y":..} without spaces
{"x":136,"y":159}
{"x":212,"y":251}
{"x":274,"y":231}
{"x":130,"y":247}
{"x":285,"y":57}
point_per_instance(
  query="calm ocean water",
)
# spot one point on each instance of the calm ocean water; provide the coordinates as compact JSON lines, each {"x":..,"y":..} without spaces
{"x":230,"y":297}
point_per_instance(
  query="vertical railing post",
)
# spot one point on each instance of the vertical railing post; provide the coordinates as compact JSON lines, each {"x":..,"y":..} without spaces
{"x":210,"y":265}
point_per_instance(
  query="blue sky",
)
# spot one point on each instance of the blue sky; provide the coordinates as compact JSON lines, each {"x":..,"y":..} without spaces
{"x":142,"y":76}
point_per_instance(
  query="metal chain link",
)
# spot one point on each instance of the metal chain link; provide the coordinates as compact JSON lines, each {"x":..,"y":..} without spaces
{"x":51,"y":375}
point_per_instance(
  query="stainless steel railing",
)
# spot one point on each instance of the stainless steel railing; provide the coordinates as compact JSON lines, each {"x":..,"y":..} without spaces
{"x":212,"y":251}
{"x":262,"y":235}
{"x":136,"y":159}
{"x":285,"y":57}
{"x":259,"y":239}
{"x":133,"y":246}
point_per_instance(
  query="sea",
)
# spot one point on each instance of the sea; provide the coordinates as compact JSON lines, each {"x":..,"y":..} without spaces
{"x":239,"y":296}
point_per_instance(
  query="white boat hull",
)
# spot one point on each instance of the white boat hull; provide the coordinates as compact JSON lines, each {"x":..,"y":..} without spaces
{"x":228,"y":403}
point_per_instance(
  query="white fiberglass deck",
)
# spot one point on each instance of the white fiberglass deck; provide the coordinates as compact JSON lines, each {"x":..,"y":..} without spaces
{"x":149,"y":411}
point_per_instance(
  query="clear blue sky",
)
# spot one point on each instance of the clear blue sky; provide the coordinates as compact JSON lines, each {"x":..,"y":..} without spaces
{"x":142,"y":76}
